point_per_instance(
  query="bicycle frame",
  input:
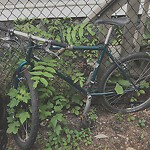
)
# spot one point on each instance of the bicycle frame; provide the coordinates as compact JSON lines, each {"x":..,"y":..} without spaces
{"x":103,"y":48}
{"x":88,"y":92}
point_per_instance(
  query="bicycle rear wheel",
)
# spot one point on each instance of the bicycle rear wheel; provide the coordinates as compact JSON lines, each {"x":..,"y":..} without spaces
{"x":129,"y":92}
{"x":28,"y":129}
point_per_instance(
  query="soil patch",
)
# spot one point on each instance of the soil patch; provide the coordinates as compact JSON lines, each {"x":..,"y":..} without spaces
{"x":112,"y":131}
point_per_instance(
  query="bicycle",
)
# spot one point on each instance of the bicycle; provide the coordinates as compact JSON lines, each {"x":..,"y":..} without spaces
{"x":124,"y":86}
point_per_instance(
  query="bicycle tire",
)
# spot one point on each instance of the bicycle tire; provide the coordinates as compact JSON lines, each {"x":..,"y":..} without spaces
{"x":3,"y":139}
{"x":27,"y":143}
{"x":128,"y":101}
{"x":2,"y":115}
{"x":3,"y":126}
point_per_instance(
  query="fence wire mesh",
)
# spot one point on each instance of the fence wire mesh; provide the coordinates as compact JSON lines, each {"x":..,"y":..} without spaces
{"x":73,"y":22}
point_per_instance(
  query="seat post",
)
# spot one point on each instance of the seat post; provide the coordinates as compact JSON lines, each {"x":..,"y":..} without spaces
{"x":108,"y":35}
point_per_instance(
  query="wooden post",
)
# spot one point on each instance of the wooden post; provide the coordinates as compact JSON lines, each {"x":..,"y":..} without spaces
{"x":139,"y":37}
{"x":97,"y":11}
{"x":106,"y":10}
{"x":129,"y":30}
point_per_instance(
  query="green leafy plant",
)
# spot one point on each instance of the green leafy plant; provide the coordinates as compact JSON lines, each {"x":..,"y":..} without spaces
{"x":130,"y":118}
{"x":42,"y":71}
{"x":92,"y":114}
{"x":141,"y":137}
{"x":118,"y":36}
{"x":119,"y":89}
{"x":17,"y":97}
{"x":141,"y":122}
{"x":119,"y":117}
{"x":78,"y":77}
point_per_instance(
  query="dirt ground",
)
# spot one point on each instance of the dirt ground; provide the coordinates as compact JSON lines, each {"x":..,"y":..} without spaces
{"x":112,"y":132}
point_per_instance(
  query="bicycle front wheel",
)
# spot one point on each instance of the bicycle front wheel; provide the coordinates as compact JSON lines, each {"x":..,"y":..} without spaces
{"x":3,"y":125}
{"x":2,"y":114}
{"x":27,"y":109}
{"x":128,"y":90}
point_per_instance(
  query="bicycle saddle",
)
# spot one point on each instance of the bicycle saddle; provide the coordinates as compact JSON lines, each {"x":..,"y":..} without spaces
{"x":113,"y":21}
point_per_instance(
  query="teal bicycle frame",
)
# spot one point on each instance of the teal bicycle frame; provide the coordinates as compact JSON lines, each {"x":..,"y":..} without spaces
{"x":102,"y":48}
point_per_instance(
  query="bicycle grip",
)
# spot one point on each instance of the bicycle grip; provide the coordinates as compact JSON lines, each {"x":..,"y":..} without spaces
{"x":59,"y":44}
{"x":4,"y":29}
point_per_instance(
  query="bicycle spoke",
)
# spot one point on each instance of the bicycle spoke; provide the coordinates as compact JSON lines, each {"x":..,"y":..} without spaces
{"x":144,"y":72}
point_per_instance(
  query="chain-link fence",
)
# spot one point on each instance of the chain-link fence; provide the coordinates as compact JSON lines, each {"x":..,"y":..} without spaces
{"x":82,"y":11}
{"x":72,"y":21}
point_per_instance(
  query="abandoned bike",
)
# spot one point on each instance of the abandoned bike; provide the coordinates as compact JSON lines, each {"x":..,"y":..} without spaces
{"x":125,"y":86}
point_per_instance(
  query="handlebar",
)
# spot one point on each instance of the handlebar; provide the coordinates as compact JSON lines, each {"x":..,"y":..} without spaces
{"x":30,"y":36}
